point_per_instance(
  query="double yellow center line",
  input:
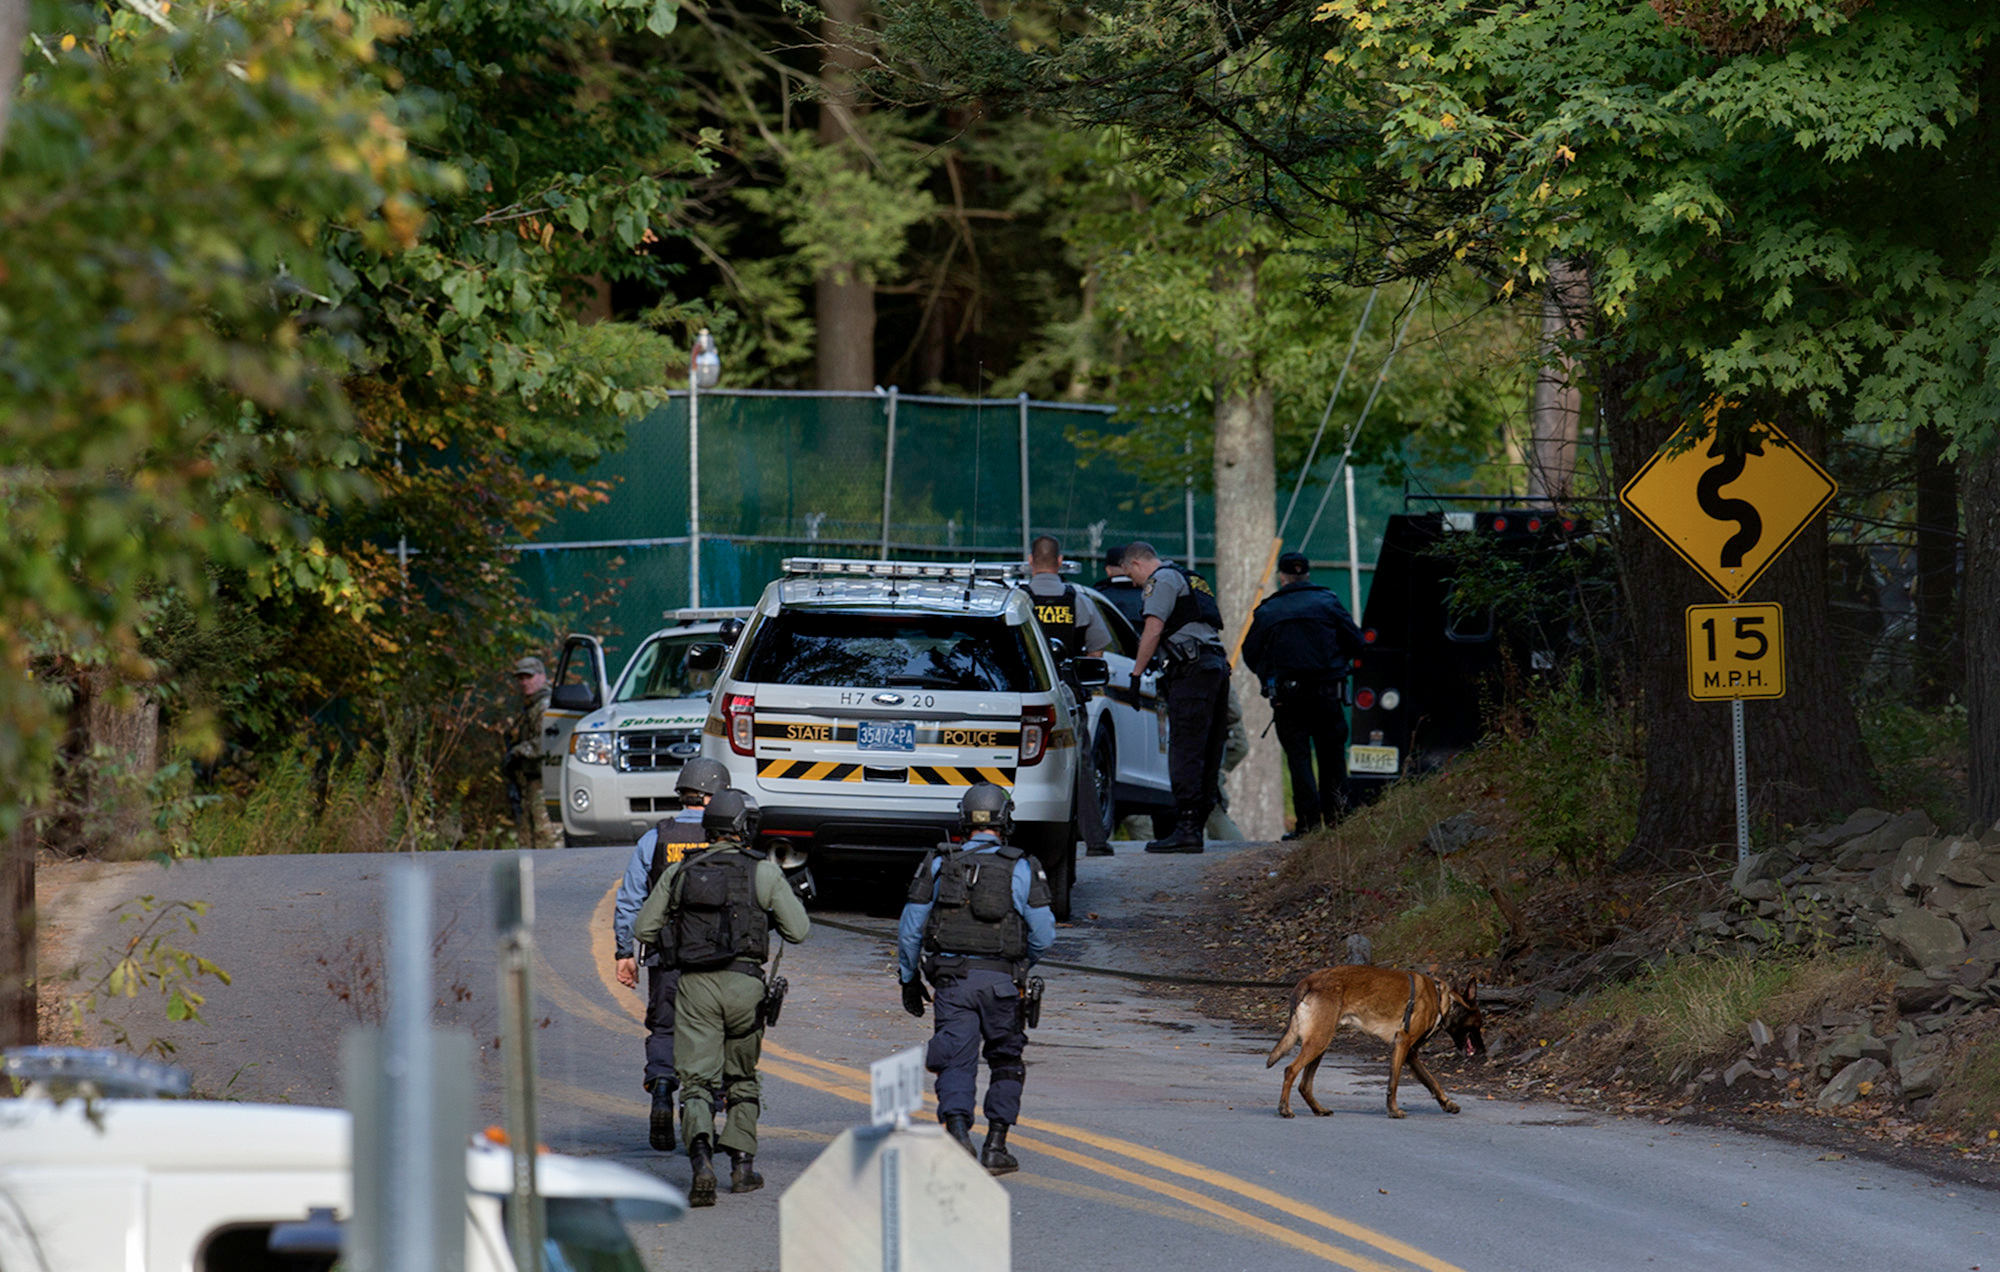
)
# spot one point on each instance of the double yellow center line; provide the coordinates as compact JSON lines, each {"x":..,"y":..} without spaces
{"x":849,"y":1083}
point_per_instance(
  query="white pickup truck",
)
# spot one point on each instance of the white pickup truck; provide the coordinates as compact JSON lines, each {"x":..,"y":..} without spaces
{"x":138,"y":1185}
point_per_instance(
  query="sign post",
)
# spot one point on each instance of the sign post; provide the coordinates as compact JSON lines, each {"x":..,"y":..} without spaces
{"x":1774,"y":491}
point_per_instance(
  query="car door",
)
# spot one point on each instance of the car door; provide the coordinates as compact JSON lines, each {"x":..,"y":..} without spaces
{"x":583,"y":686}
{"x":1140,"y":724}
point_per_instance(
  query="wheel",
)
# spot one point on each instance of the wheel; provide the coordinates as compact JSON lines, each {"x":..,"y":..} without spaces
{"x":1104,"y":760}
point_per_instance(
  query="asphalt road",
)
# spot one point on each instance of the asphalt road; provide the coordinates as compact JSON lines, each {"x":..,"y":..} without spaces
{"x":1150,"y":1135}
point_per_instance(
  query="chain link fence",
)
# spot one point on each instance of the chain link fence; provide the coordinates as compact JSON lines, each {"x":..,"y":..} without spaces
{"x":882,"y":475}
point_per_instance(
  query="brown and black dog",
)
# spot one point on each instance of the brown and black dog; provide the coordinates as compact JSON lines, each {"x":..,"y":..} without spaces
{"x":1403,"y":1009}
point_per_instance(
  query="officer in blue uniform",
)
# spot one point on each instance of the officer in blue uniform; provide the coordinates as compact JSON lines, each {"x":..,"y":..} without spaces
{"x":700,"y":780}
{"x":1302,"y":644}
{"x":977,"y":919}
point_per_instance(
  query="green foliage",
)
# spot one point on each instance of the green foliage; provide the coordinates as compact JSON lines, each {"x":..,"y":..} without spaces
{"x":150,"y":961}
{"x":1920,"y":756}
{"x":1573,"y":768}
{"x":1457,"y":926}
{"x":1969,"y":1098}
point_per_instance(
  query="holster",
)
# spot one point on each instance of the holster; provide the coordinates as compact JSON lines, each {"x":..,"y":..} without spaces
{"x":774,"y":1000}
{"x":1031,"y":1002}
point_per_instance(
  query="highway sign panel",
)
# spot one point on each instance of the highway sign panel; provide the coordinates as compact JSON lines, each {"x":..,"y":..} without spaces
{"x":1728,"y":514}
{"x":1736,"y":651}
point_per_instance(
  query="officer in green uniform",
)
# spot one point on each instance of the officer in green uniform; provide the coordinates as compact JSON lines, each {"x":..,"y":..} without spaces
{"x":711,"y":914}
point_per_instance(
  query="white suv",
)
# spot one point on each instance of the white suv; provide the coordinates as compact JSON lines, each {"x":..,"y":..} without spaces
{"x":863,"y":697}
{"x":611,"y":754}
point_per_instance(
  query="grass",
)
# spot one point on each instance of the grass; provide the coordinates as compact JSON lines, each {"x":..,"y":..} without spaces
{"x":1692,"y":1011}
{"x":1921,"y":758}
{"x":1969,"y":1097}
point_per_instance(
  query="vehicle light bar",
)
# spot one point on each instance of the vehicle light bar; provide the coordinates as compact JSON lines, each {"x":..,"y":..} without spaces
{"x":999,"y":571}
{"x":711,"y":613}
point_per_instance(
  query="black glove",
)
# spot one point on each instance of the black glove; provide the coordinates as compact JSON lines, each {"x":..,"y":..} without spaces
{"x":1135,"y":686}
{"x":914,"y":997}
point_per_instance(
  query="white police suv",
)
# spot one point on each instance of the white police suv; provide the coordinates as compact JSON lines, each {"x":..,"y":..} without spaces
{"x":611,"y":754}
{"x":863,"y":697}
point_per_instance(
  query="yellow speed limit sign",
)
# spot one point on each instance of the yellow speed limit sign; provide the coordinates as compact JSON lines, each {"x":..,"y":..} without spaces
{"x":1736,"y":651}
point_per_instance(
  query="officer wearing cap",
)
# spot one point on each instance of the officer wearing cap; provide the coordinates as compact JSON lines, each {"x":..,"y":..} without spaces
{"x":700,"y":780}
{"x":1076,"y":629}
{"x":1184,"y":622}
{"x":1301,"y":646}
{"x":522,"y":768}
{"x":977,"y":918}
{"x":711,"y":915}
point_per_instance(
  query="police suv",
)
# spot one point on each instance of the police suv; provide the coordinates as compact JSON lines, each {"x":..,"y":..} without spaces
{"x":611,"y":754}
{"x":863,"y":697}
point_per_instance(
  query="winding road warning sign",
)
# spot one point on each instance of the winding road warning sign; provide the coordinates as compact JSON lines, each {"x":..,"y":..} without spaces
{"x":1728,"y":511}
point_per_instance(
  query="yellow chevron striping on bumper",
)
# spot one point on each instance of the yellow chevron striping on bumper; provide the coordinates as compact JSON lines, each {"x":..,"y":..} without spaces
{"x":808,"y":771}
{"x":955,"y":775}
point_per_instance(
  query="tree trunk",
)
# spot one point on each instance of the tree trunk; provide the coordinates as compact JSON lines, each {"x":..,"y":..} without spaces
{"x":1246,"y":478}
{"x":1558,"y":397}
{"x":843,"y":301}
{"x":1940,"y":665}
{"x":1982,"y":628}
{"x":13,"y":33}
{"x":1805,"y":760}
{"x":17,"y":937}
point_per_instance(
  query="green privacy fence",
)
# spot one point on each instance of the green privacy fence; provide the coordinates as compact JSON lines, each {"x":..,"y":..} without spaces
{"x":861,"y":475}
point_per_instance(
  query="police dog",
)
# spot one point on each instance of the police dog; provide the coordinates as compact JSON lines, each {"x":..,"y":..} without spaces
{"x":1403,"y":1009}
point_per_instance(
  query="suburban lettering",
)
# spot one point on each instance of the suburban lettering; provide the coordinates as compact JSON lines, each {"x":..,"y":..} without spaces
{"x":809,"y":732}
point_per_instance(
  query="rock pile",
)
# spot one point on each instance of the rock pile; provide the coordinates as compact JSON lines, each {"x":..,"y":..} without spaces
{"x":1933,"y":900}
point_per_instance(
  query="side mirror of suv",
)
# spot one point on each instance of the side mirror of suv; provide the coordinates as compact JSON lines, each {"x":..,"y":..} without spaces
{"x":574,"y":698}
{"x":1091,"y":673}
{"x":704,"y":657}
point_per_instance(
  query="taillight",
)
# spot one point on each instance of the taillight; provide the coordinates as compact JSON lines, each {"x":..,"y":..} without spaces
{"x":1499,"y":525}
{"x":1036,"y":725}
{"x":1534,"y":525}
{"x":739,"y":720}
{"x":1569,"y":525}
{"x":1364,"y":698}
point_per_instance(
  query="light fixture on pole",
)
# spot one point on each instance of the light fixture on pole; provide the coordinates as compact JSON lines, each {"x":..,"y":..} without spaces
{"x":704,"y":370}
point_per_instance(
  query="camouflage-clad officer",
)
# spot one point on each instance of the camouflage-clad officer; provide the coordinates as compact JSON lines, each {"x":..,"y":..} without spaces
{"x":711,"y":915}
{"x":522,"y":768}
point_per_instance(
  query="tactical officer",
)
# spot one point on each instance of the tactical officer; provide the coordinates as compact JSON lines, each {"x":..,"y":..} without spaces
{"x":1301,"y":646}
{"x":700,"y":780}
{"x":977,"y":919}
{"x":522,"y":769}
{"x":1079,"y":631}
{"x":711,"y":914}
{"x":1184,"y":622}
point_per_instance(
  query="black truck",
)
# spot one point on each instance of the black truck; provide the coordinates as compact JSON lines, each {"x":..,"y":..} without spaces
{"x":1464,"y":608}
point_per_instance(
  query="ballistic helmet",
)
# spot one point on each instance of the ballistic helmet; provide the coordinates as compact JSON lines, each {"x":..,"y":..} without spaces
{"x":730,"y":815}
{"x":985,"y":806}
{"x":702,"y":776}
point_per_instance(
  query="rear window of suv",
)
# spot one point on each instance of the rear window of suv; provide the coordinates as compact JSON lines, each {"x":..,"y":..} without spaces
{"x":804,"y":647}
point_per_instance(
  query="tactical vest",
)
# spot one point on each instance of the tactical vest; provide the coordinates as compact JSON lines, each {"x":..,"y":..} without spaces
{"x":973,"y":911}
{"x":713,"y":912}
{"x":671,"y":839}
{"x":1056,"y":615}
{"x":1196,"y":605}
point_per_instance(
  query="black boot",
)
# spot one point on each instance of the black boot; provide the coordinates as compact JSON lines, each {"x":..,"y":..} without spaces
{"x":701,"y":1188}
{"x":995,"y":1157}
{"x":660,"y":1127}
{"x":1186,"y":836}
{"x":743,"y":1176}
{"x":959,"y":1127}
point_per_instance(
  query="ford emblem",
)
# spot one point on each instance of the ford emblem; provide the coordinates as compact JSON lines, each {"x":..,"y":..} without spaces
{"x":684,"y":750}
{"x":889,"y":699}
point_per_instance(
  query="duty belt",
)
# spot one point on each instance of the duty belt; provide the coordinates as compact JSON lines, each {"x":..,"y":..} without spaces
{"x":955,"y":964}
{"x":749,"y":967}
